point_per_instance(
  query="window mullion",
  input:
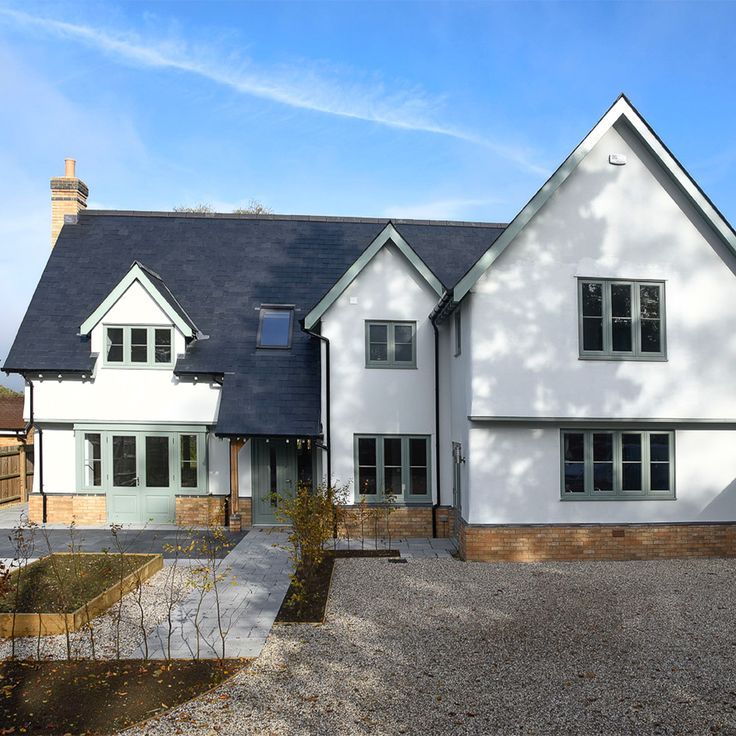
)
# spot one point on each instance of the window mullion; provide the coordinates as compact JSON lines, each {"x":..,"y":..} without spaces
{"x":636,"y":317}
{"x":390,"y":327}
{"x":126,"y":346}
{"x":617,"y":463}
{"x":380,"y":480}
{"x":588,"y":462}
{"x":405,"y":468}
{"x":646,"y":473}
{"x":607,"y":318}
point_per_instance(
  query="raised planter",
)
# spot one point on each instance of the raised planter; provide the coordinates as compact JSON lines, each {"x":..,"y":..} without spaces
{"x":50,"y":624}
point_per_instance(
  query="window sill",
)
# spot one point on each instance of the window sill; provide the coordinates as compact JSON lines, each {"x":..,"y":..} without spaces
{"x":393,"y":367}
{"x":632,"y":358}
{"x":568,"y":499}
{"x":133,"y":366}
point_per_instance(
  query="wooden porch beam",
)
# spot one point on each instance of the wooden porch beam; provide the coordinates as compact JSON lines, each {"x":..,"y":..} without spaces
{"x":236,"y":444}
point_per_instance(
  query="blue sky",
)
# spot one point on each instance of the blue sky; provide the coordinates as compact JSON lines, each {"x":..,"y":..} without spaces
{"x":432,"y":110}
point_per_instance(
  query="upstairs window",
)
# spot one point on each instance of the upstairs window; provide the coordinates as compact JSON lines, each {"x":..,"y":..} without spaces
{"x":621,"y":320}
{"x":274,"y":327}
{"x":390,"y":344}
{"x":139,"y":346}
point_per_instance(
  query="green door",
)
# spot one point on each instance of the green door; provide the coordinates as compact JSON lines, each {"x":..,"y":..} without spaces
{"x":274,"y":475}
{"x":141,"y":486}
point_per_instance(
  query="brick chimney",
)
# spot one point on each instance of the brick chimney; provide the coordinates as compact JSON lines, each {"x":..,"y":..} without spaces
{"x":68,"y":197}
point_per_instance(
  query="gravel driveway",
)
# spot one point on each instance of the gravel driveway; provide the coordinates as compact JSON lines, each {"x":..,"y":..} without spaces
{"x":440,"y":646}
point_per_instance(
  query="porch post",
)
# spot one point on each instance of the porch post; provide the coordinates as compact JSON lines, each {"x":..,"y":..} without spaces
{"x":236,"y":443}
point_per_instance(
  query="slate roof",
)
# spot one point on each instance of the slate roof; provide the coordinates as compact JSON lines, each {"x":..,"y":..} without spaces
{"x":219,"y":270}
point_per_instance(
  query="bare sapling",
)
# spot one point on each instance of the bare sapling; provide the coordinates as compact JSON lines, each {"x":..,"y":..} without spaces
{"x":172,"y":588}
{"x":23,"y":539}
{"x":61,"y":597}
{"x":74,"y":550}
{"x":362,"y":518}
{"x":388,"y":509}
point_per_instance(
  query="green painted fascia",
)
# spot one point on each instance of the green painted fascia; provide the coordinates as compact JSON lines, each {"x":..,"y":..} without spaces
{"x":389,"y":233}
{"x":622,"y":108}
{"x":136,"y":273}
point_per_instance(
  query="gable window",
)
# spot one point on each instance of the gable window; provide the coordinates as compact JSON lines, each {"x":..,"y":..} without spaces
{"x":392,"y":465}
{"x":601,"y":464}
{"x":390,"y":344}
{"x":458,"y":332}
{"x":274,"y":327}
{"x":621,"y":320}
{"x":139,"y":346}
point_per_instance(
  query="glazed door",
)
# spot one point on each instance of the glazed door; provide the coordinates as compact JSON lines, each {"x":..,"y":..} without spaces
{"x":274,"y":477}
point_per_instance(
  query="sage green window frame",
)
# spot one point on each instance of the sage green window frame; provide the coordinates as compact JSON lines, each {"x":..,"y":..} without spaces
{"x":406,"y":496}
{"x":618,"y":494}
{"x":636,"y":354}
{"x":140,"y":432}
{"x":391,"y":361}
{"x":126,"y":362}
{"x":458,"y":329}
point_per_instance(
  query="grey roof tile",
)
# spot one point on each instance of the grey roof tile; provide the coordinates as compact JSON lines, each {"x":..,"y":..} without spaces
{"x":217,"y":271}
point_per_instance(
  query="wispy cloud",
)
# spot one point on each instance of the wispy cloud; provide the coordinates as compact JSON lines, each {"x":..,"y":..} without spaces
{"x":297,"y":87}
{"x":440,"y":209}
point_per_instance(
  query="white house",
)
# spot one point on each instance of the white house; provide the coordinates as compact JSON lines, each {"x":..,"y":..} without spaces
{"x":559,"y":387}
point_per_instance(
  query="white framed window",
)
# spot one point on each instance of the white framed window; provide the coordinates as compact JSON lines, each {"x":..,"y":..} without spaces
{"x":393,"y":465}
{"x":621,"y":320}
{"x":599,"y":464}
{"x":140,"y":346}
{"x":390,"y":344}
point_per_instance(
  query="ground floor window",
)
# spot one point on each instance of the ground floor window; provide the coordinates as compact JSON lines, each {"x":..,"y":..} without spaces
{"x":129,"y":457}
{"x":600,"y":464}
{"x":392,"y":465}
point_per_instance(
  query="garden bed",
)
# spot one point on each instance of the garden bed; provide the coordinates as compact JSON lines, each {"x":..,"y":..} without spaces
{"x":99,"y":697}
{"x":63,"y":591}
{"x":313,"y":610}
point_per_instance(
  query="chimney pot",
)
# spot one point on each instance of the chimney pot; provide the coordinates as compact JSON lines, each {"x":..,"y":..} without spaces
{"x":68,"y":198}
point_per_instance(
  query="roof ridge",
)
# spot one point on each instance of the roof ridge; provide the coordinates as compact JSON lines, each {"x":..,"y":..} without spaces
{"x":297,"y":218}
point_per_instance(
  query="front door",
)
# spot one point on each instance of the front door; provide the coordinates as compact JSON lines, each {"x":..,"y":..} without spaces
{"x":274,"y":475}
{"x":141,"y":484}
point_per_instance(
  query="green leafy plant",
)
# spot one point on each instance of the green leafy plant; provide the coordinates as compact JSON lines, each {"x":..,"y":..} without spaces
{"x":310,"y":514}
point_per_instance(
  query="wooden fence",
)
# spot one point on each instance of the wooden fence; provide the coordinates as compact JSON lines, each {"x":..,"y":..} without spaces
{"x":16,"y":473}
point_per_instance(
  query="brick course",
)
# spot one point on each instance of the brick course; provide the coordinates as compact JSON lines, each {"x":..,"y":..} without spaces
{"x":596,"y":542}
{"x":82,"y":508}
{"x":405,"y":521}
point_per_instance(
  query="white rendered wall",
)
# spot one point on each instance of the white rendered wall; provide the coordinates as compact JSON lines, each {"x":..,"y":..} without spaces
{"x":59,"y":460}
{"x":219,"y":467}
{"x":606,"y":221}
{"x":151,"y":395}
{"x":376,"y":400}
{"x":515,"y":477}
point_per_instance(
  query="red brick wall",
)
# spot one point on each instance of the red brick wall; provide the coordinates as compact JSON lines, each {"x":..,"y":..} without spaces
{"x":596,"y":542}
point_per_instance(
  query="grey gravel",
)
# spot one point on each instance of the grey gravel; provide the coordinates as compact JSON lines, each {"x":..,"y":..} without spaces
{"x":440,"y":646}
{"x":104,"y":627}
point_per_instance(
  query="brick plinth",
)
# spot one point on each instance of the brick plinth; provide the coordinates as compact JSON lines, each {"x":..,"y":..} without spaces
{"x":81,"y":508}
{"x":445,"y":524}
{"x":596,"y":542}
{"x":200,"y":510}
{"x":405,"y":521}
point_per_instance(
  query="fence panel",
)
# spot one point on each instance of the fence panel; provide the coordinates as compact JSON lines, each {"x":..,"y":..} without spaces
{"x":12,"y":459}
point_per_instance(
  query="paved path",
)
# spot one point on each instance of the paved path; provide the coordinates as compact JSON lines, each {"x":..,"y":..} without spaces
{"x":257,"y":574}
{"x":411,"y":547}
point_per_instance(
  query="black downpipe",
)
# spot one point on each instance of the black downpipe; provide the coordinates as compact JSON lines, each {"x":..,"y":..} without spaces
{"x":437,"y":444}
{"x":38,"y":461}
{"x":328,"y":412}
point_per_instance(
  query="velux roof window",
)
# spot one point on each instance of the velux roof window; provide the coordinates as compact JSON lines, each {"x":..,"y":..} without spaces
{"x":274,"y":327}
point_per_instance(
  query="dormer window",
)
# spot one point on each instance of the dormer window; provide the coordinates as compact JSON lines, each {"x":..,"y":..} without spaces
{"x":274,"y":327}
{"x":130,"y":346}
